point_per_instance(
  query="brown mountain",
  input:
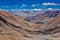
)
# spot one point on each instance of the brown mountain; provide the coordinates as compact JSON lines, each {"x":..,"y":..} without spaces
{"x":14,"y":27}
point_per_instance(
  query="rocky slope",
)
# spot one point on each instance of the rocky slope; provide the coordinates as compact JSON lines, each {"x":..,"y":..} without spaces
{"x":42,"y":15}
{"x":14,"y":27}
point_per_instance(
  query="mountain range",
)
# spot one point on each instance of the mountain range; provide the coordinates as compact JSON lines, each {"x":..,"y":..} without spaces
{"x":15,"y":27}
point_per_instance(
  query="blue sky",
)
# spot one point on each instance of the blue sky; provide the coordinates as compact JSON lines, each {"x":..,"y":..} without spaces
{"x":28,"y":2}
{"x":32,"y":4}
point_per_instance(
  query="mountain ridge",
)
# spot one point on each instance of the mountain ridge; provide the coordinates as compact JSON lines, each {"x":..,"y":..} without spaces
{"x":14,"y":27}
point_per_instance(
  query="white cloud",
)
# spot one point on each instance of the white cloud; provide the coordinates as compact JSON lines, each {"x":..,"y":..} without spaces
{"x":35,"y":9}
{"x":33,"y":5}
{"x":50,"y":8}
{"x":24,"y":5}
{"x":39,"y":9}
{"x":50,"y":4}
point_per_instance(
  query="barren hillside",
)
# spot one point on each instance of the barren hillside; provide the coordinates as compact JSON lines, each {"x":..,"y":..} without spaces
{"x":14,"y":27}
